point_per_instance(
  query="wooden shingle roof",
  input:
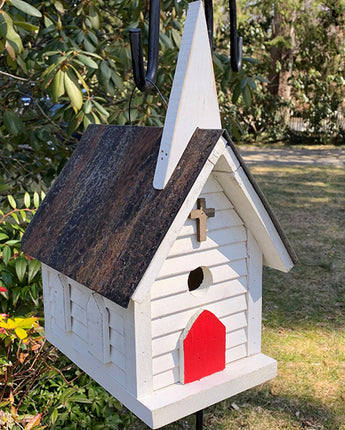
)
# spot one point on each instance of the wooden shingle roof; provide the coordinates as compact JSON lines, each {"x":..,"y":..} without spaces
{"x":102,"y":221}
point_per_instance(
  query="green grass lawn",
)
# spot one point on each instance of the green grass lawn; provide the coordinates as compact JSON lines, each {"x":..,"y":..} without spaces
{"x":303,"y":312}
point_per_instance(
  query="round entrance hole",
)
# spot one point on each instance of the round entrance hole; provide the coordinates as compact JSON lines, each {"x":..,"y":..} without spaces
{"x":199,"y":278}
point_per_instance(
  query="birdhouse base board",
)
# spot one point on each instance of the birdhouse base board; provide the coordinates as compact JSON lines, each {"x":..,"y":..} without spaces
{"x":176,"y":401}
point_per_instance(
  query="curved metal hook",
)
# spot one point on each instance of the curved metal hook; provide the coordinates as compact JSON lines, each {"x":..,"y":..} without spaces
{"x":236,"y":42}
{"x":209,"y":20}
{"x":145,"y":82}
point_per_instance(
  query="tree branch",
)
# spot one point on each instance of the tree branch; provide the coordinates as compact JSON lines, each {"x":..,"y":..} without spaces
{"x":14,"y":76}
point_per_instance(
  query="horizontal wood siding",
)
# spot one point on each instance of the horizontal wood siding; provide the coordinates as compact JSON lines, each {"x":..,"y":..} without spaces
{"x":224,"y":219}
{"x":224,"y":253}
{"x":165,"y":367}
{"x":79,"y":298}
{"x":178,"y":284}
{"x":233,"y":297}
{"x":169,"y":342}
{"x":235,"y":353}
{"x":78,"y":337}
{"x":80,"y":344}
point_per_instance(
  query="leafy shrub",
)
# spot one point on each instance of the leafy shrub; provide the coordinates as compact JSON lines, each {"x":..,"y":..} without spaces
{"x":19,"y":274}
{"x":21,"y":342}
{"x":71,"y":400}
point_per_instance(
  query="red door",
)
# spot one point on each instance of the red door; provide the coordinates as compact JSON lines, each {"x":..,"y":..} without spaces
{"x":203,"y":351}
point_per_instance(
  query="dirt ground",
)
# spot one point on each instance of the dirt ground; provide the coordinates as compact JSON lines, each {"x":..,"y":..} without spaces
{"x":293,"y":156}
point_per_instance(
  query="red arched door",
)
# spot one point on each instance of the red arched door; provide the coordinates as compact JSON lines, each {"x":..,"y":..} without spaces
{"x":202,"y":348}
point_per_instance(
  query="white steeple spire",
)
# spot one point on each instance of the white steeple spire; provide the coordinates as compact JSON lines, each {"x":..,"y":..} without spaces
{"x":193,"y":100}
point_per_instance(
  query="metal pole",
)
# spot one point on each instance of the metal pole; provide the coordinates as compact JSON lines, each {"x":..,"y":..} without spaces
{"x":199,"y":420}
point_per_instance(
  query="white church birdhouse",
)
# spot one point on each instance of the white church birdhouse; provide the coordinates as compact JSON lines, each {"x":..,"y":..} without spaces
{"x":152,"y":243}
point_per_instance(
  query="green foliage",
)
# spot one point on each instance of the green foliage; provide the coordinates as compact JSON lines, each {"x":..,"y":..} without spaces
{"x":38,"y":379}
{"x":73,"y":401}
{"x":311,"y":37}
{"x":19,"y":274}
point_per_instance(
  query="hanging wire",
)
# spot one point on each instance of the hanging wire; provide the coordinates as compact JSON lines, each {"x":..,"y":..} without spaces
{"x":132,"y":94}
{"x":158,"y":91}
{"x":129,"y":105}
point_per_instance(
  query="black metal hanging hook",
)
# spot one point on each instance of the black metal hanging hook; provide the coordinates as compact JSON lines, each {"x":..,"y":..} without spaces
{"x":209,"y":20}
{"x":145,"y":82}
{"x":236,"y":42}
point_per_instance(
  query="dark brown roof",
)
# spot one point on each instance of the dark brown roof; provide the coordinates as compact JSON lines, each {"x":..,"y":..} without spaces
{"x":102,"y":221}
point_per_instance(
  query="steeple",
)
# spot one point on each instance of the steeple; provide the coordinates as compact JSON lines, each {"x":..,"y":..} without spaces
{"x":193,"y":101}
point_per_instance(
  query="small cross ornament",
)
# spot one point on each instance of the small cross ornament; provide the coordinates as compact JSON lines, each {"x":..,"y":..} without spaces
{"x":201,"y":214}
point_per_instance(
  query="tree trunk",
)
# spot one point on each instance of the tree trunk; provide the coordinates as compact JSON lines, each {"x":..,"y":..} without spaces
{"x":282,"y":55}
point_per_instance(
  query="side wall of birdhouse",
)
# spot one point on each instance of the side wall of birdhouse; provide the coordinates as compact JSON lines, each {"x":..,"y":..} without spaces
{"x":98,"y":335}
{"x":232,"y":262}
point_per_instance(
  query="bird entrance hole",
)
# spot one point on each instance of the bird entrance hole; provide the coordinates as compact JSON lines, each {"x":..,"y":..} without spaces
{"x":199,"y":278}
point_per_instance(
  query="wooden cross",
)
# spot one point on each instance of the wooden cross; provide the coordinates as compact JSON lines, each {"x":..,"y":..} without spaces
{"x":201,"y":214}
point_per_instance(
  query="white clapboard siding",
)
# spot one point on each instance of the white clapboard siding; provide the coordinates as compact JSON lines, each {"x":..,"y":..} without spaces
{"x":170,"y":359}
{"x":48,"y":307}
{"x":117,"y":340}
{"x":177,"y":322}
{"x":215,"y":238}
{"x":78,"y":313}
{"x":118,"y":358}
{"x":98,"y":328}
{"x":164,"y":344}
{"x":79,"y":328}
{"x":165,"y":362}
{"x":169,"y":286}
{"x":65,"y":309}
{"x":114,"y":308}
{"x":161,"y":346}
{"x":79,"y":294}
{"x":79,"y":298}
{"x":178,"y":284}
{"x":217,"y":200}
{"x":235,"y":338}
{"x":233,"y":354}
{"x":165,"y":379}
{"x":47,"y":296}
{"x":229,"y":271}
{"x":77,"y":343}
{"x":235,"y":321}
{"x":215,"y":293}
{"x":116,"y":321}
{"x":211,"y":186}
{"x":224,"y":219}
{"x":166,"y":370}
{"x":224,"y":254}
